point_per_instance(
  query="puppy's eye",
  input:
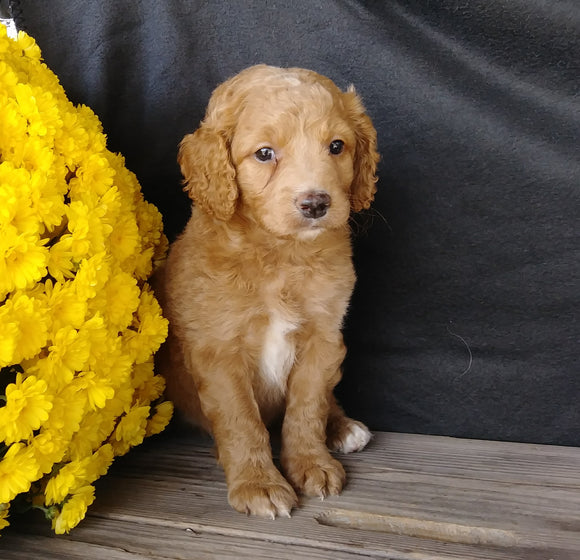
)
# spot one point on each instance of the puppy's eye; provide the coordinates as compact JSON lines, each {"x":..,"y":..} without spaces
{"x":336,"y":147}
{"x":265,"y":154}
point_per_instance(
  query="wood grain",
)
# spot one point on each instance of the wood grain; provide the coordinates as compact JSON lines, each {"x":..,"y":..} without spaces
{"x":408,"y":497}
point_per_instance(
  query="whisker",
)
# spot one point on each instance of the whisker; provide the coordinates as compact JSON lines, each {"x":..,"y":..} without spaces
{"x":364,"y":220}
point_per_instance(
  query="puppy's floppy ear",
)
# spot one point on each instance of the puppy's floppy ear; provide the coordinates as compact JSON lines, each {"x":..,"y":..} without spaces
{"x":363,"y":187}
{"x":210,"y":177}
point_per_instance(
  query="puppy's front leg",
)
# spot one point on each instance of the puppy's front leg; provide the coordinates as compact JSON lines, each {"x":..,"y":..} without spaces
{"x":305,"y":456}
{"x":255,"y":486}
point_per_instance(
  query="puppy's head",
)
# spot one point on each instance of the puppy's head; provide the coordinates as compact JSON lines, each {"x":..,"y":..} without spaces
{"x":285,"y":148}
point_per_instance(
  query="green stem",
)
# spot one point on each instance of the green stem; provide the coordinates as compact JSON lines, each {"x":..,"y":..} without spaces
{"x":50,"y":512}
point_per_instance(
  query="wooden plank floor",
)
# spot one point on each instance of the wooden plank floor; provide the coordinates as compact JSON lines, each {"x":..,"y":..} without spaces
{"x":409,"y":497}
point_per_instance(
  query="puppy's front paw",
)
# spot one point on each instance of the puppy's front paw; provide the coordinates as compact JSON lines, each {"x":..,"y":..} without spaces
{"x":316,"y":475}
{"x":266,"y":494}
{"x":347,"y":435}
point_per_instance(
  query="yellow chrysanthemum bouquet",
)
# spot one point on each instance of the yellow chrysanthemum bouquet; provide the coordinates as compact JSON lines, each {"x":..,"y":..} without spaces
{"x":78,"y":322}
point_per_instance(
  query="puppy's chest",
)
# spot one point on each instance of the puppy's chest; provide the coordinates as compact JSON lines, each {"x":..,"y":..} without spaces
{"x":289,"y":312}
{"x":278,"y":350}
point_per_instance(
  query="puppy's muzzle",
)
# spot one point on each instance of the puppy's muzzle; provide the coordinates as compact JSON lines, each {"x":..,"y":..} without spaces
{"x":313,"y":204}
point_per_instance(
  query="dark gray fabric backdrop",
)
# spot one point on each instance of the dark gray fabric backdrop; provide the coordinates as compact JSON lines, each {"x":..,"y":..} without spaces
{"x":465,"y":316}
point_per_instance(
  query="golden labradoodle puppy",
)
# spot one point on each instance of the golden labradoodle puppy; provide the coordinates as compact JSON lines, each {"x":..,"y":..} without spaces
{"x":257,"y":285}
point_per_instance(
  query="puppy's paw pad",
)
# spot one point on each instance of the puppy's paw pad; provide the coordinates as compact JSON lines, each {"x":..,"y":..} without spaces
{"x":314,"y":476}
{"x":264,"y":498}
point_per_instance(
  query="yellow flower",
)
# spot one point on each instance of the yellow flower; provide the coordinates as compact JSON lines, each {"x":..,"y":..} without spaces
{"x":74,"y":510}
{"x":92,"y":125}
{"x":47,"y":194}
{"x":143,"y":373}
{"x":72,"y":140}
{"x":60,"y":265}
{"x":18,"y":469}
{"x":77,"y":319}
{"x":78,"y":473}
{"x":158,"y":422}
{"x":33,"y":154}
{"x":125,"y":178}
{"x":13,"y":129}
{"x":23,"y":328}
{"x":118,"y":299}
{"x":125,"y":239}
{"x":23,"y":259}
{"x":118,"y":366}
{"x":15,"y":200}
{"x":87,"y":228}
{"x":96,"y":427}
{"x":99,"y":462}
{"x":150,"y":328}
{"x":103,"y":347}
{"x":61,"y":485}
{"x":122,"y":401}
{"x":68,"y":354}
{"x":94,"y":175}
{"x":66,"y":307}
{"x":28,"y":46}
{"x":149,"y":220}
{"x":27,"y":406}
{"x":98,"y":389}
{"x":111,"y":205}
{"x":92,"y":275}
{"x":148,"y":386}
{"x":69,"y":406}
{"x":49,"y":448}
{"x":131,"y":429}
{"x":9,"y":335}
{"x":26,"y":101}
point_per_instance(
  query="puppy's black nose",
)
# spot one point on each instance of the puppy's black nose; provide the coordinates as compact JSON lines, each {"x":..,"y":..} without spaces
{"x":313,"y":204}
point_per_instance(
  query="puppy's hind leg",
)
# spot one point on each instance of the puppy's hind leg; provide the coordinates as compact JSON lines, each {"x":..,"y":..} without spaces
{"x":343,"y":434}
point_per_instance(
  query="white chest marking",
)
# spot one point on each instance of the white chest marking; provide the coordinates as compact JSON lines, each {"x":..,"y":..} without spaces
{"x":278,"y":351}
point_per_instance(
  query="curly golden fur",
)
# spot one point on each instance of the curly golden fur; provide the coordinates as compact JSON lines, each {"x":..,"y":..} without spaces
{"x":257,"y":285}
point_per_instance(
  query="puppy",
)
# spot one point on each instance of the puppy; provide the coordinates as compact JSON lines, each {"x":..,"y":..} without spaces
{"x":256,"y":287}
